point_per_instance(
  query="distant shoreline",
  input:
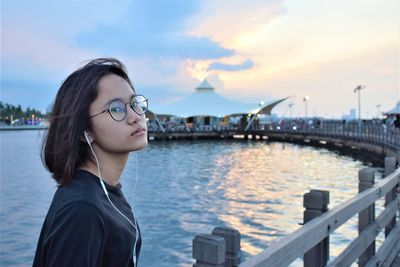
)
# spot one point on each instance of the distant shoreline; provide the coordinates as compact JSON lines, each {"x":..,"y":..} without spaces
{"x":19,"y":128}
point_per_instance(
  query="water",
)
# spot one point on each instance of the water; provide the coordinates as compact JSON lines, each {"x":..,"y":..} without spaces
{"x":183,"y":189}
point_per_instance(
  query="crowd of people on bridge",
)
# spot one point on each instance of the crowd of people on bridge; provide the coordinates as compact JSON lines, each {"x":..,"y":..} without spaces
{"x":241,"y":123}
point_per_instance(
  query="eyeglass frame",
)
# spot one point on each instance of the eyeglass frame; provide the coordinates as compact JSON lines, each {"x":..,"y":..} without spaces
{"x":126,"y":110}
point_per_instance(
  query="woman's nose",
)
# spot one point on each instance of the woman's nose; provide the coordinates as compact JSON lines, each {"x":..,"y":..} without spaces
{"x":133,"y":117}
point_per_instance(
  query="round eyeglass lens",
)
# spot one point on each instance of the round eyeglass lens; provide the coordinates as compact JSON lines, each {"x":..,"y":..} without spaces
{"x":139,"y":104}
{"x":117,"y":110}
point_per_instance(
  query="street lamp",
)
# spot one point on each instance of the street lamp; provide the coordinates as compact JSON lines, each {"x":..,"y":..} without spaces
{"x":290,"y":110}
{"x":305,"y":99}
{"x":378,"y":107}
{"x":359,"y":88}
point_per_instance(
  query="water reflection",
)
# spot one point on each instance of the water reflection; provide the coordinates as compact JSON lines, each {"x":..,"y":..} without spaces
{"x":265,"y":191}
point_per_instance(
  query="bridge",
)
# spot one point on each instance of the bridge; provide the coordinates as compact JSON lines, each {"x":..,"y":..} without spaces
{"x":371,"y":137}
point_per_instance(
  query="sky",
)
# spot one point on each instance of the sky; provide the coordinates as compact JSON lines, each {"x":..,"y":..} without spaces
{"x":250,"y":51}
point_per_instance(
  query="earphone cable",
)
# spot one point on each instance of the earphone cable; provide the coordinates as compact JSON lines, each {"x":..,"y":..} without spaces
{"x":112,"y":204}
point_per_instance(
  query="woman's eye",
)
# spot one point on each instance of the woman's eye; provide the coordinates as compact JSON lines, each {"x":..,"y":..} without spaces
{"x":117,"y":109}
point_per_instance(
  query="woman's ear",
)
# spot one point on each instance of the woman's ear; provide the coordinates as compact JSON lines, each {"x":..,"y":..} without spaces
{"x":87,"y":137}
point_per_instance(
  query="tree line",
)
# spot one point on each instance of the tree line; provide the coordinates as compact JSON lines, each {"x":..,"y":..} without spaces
{"x":10,"y":112}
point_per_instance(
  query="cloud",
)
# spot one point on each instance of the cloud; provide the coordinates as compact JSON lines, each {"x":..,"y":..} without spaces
{"x":108,"y":39}
{"x":245,"y":65}
{"x":225,"y":21}
{"x":155,"y":29}
{"x":44,"y":42}
{"x":170,"y":46}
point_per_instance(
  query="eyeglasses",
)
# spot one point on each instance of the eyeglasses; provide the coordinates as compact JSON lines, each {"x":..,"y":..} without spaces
{"x":118,"y":111}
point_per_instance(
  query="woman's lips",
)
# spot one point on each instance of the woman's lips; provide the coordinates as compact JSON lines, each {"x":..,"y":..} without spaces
{"x":139,"y":131}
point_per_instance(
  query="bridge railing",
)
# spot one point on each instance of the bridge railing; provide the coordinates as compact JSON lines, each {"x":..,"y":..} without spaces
{"x":312,"y":240}
{"x":372,"y":132}
{"x":365,"y":132}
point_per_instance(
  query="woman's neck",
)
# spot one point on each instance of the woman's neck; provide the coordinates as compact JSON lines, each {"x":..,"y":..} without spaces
{"x":111,"y":166}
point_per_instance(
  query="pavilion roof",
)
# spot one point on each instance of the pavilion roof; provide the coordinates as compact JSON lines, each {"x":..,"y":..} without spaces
{"x":395,"y":110}
{"x":206,"y":102}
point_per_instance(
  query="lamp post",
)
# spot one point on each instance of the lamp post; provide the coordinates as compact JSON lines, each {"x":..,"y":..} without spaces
{"x":358,"y":89}
{"x":378,"y":107}
{"x":290,"y":110}
{"x":305,"y":99}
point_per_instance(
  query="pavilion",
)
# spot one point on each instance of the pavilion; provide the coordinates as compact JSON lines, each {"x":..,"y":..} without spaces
{"x":207,"y":103}
{"x":394,"y":111}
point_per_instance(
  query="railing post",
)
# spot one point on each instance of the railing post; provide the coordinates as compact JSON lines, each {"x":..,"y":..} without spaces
{"x":232,"y":244}
{"x":315,"y":203}
{"x":367,"y":216}
{"x":390,"y":166}
{"x":208,"y":251}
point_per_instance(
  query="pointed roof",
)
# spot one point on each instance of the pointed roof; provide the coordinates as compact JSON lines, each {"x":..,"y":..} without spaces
{"x":206,"y":102}
{"x":204,"y":86}
{"x":395,"y":110}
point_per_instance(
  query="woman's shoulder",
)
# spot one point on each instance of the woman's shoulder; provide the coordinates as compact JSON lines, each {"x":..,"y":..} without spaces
{"x":81,"y":199}
{"x":84,"y":188}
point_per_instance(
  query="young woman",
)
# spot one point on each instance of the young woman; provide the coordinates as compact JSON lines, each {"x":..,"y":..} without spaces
{"x":97,"y":119}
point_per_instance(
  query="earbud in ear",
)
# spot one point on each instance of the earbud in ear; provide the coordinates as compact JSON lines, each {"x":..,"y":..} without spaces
{"x":88,"y":138}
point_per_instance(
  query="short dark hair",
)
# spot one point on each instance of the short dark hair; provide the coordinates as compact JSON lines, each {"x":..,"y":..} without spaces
{"x":63,"y":150}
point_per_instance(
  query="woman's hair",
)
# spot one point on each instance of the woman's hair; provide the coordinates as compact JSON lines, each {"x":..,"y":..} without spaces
{"x":63,"y":149}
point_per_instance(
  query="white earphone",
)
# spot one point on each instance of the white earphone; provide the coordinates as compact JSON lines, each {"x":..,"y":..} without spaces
{"x":87,"y":137}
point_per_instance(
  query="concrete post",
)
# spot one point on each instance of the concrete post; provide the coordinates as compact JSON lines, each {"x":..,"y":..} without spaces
{"x":390,"y":166}
{"x":367,"y":216}
{"x":315,"y":203}
{"x":232,"y":244}
{"x":208,"y":251}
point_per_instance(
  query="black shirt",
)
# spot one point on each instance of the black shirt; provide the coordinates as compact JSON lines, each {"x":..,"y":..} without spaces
{"x":83,"y":229}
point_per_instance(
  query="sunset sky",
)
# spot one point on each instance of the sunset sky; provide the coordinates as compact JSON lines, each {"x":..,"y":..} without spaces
{"x":250,"y":51}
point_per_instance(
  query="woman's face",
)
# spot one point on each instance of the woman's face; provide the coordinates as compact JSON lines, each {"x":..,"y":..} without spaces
{"x":113,"y":136}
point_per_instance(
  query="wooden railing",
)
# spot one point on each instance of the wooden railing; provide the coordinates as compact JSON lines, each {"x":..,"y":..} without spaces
{"x":312,"y":240}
